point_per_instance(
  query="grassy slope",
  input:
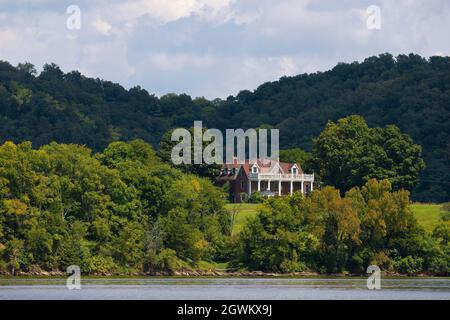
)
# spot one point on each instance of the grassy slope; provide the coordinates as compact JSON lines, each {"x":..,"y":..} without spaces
{"x":427,"y":214}
{"x":244,"y":211}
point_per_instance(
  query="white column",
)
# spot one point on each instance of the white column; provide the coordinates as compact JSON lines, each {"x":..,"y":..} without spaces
{"x":301,"y":187}
{"x":259,"y":185}
{"x":279,"y":187}
{"x":312,"y":186}
{"x":292,"y":187}
{"x":249,"y":188}
{"x":268,"y":185}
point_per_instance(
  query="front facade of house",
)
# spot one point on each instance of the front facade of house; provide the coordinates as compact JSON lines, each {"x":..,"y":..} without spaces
{"x":268,"y":177}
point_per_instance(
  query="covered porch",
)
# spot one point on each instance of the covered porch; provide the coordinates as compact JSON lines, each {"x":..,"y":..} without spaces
{"x":280,"y":184}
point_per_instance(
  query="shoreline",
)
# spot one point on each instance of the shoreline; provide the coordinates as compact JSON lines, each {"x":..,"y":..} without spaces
{"x":214,"y":273}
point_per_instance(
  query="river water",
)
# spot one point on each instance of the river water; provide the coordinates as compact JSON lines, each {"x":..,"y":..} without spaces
{"x":155,"y":288}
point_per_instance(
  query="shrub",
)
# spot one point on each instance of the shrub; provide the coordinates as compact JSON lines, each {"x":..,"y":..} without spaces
{"x":3,"y":267}
{"x":167,"y":260}
{"x":408,"y":265}
{"x":440,"y":264}
{"x":446,"y":207}
{"x":100,"y":265}
{"x":445,"y":215}
{"x":256,"y":197}
{"x":292,"y":266}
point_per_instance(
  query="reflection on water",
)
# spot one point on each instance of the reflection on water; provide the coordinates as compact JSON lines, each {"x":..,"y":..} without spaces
{"x":225,"y":288}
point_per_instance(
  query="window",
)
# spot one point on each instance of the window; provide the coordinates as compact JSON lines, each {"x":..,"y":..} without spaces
{"x":294,"y":170}
{"x":254,"y":169}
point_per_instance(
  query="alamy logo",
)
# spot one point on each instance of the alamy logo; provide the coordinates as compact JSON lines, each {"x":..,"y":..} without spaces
{"x":236,"y":142}
{"x":374,"y":280}
{"x":373,"y":21}
{"x":74,"y":279}
{"x":73,"y":22}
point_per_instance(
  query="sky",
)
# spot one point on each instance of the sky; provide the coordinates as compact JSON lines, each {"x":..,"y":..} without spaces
{"x":215,"y":48}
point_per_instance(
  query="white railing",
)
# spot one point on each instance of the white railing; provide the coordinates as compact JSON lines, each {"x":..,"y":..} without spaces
{"x":282,"y":177}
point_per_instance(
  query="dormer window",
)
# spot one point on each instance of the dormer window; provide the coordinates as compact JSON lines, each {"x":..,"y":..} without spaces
{"x":294,"y":170}
{"x":255,"y":169}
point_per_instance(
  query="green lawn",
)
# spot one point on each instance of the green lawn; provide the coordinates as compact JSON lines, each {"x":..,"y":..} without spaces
{"x":428,"y":215}
{"x":244,"y":210}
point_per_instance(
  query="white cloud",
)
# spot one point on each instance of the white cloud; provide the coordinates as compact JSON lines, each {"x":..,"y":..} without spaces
{"x":165,"y":11}
{"x":178,"y":62}
{"x":102,"y":26}
{"x":216,"y":47}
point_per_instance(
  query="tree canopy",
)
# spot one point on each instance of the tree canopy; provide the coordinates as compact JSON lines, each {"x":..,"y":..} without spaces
{"x":410,"y":92}
{"x":121,"y":210}
{"x":348,"y":153}
{"x":124,"y":211}
{"x":372,"y":225}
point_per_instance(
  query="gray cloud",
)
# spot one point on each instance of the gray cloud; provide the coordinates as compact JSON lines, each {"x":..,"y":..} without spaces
{"x":214,"y":48}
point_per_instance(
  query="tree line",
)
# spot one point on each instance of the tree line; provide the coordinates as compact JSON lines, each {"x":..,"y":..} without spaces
{"x":408,"y":91}
{"x":124,"y":211}
{"x":326,"y":232}
{"x":119,"y":211}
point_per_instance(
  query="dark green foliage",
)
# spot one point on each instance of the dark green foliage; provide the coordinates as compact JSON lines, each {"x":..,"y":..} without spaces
{"x":329,"y":233}
{"x":299,"y":156}
{"x":256,"y":197}
{"x":203,"y":170}
{"x":445,"y":215}
{"x":122,"y":210}
{"x":349,"y":153}
{"x":408,"y":91}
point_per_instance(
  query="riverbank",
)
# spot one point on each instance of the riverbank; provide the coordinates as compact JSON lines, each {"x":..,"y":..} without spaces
{"x":225,"y":288}
{"x":216,"y":273}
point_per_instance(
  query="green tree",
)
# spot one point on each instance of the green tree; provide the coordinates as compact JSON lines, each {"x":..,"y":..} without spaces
{"x":299,"y":156}
{"x":276,"y":240}
{"x":204,"y":170}
{"x":14,"y":254}
{"x":337,"y":224}
{"x":349,"y":153}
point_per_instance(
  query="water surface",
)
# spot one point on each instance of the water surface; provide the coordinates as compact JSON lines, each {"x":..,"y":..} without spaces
{"x":156,"y":288}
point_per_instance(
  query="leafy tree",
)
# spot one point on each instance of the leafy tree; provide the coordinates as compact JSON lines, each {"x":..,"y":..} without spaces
{"x":61,"y":205}
{"x":165,"y":153}
{"x":27,"y":67}
{"x":337,"y":225}
{"x":445,"y":215}
{"x":329,"y":233}
{"x":274,"y":240}
{"x":407,"y":91}
{"x":349,"y":153}
{"x":256,"y":197}
{"x":299,"y":156}
{"x":14,"y":254}
{"x":183,"y":237}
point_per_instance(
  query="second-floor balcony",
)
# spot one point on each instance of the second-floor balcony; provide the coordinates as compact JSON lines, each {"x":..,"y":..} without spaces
{"x":281,"y":177}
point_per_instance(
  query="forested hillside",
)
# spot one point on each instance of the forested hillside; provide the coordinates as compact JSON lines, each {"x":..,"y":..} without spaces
{"x":408,"y":91}
{"x":123,"y":211}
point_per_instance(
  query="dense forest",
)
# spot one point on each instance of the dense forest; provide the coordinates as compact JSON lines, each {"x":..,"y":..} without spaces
{"x":124,"y":211}
{"x":410,"y":92}
{"x":119,"y":211}
{"x":326,"y":232}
